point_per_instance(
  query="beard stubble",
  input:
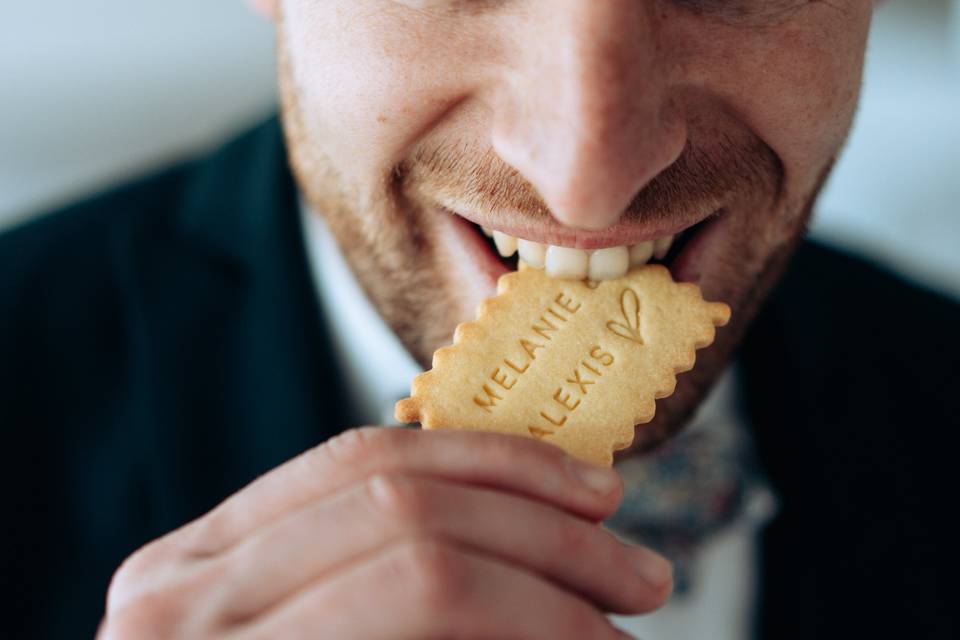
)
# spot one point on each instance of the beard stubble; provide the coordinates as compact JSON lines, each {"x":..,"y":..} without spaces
{"x":384,"y":233}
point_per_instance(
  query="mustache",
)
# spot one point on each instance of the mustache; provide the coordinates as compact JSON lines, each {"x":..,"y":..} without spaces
{"x":706,"y":176}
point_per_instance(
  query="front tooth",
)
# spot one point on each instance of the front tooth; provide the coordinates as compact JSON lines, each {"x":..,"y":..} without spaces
{"x":566,"y":263}
{"x":661,"y":246}
{"x":640,"y":254}
{"x":533,"y":253}
{"x":487,"y":232}
{"x":609,"y":263}
{"x":506,"y":245}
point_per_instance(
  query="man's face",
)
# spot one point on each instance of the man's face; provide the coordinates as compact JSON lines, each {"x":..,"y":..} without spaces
{"x":573,"y":123}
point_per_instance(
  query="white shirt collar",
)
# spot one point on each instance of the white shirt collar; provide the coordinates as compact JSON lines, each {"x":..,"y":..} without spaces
{"x":377,"y":367}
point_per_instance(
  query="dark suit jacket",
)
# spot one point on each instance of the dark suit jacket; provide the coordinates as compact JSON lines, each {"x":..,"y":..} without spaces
{"x":161,"y":345}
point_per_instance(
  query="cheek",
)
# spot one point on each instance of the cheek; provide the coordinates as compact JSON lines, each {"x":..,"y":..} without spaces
{"x":811,"y":99}
{"x":371,"y":78}
{"x":794,"y":86}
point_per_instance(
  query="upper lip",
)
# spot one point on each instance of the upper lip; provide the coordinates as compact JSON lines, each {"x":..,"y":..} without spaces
{"x":551,"y":232}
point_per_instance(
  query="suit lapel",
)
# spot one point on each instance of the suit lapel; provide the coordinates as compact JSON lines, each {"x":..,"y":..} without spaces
{"x":237,"y":373}
{"x":841,"y":373}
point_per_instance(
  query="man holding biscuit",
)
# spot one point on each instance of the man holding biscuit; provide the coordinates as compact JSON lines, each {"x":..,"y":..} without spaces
{"x":187,"y":357}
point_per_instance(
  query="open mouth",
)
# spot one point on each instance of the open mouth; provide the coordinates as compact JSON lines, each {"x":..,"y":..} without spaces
{"x":603,"y":263}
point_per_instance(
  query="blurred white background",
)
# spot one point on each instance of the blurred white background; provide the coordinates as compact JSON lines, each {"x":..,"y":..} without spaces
{"x":100,"y":90}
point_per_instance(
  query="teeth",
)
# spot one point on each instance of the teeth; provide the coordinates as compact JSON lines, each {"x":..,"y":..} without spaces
{"x":576,"y":264}
{"x":566,"y":263}
{"x":661,"y":246}
{"x":609,"y":263}
{"x":533,"y":253}
{"x":641,"y":253}
{"x":506,"y":245}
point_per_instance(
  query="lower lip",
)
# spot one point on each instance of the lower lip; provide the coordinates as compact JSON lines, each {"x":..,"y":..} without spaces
{"x":475,"y":244}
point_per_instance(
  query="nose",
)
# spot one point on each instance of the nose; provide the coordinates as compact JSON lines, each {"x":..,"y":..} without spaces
{"x":584,"y":113}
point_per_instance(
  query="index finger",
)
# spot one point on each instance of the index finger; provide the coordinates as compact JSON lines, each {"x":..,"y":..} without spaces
{"x":510,"y":463}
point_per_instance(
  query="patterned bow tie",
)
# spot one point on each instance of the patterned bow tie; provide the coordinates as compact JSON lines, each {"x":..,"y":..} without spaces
{"x":694,"y":486}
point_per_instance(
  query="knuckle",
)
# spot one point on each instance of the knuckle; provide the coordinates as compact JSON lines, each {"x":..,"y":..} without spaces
{"x":211,"y":576}
{"x":436,"y":573}
{"x":173,"y":603}
{"x":121,"y":586}
{"x":207,"y":536}
{"x":583,"y":622}
{"x":573,"y":539}
{"x":511,"y":446}
{"x":150,"y":616}
{"x":134,"y":571}
{"x":517,"y":450}
{"x":152,"y":599}
{"x":202,"y":538}
{"x":354,"y":446}
{"x":404,"y":501}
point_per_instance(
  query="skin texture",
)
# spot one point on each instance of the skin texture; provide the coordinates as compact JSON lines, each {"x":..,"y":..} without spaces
{"x":557,"y":120}
{"x":391,"y":533}
{"x":575,"y":122}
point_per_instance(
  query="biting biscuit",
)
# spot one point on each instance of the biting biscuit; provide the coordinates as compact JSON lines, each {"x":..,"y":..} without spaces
{"x":575,"y":363}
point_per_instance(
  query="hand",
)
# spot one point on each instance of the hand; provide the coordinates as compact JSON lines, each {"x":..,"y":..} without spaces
{"x":392,"y":533}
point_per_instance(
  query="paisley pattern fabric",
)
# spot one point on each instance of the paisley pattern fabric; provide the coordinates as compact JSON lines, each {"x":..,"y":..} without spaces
{"x":697,"y":484}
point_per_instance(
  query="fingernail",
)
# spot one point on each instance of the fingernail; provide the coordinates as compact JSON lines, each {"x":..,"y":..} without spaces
{"x":598,"y":479}
{"x":653,"y":568}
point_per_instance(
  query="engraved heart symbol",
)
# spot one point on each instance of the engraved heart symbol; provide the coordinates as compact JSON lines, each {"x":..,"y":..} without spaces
{"x":630,"y":308}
